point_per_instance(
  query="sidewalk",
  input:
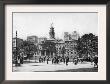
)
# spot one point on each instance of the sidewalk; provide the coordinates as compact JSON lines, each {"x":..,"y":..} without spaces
{"x":42,"y":67}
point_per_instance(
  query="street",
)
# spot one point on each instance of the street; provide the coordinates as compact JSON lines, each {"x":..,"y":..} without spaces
{"x":61,"y":67}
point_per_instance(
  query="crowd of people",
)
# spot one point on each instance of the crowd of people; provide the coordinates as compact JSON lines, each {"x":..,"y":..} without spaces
{"x":58,"y":59}
{"x":65,"y":60}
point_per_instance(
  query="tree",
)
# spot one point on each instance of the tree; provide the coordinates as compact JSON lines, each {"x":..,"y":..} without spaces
{"x":49,"y":47}
{"x":87,"y":44}
{"x":29,"y":48}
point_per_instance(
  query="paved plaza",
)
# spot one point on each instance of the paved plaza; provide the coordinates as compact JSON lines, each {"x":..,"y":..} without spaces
{"x":44,"y":67}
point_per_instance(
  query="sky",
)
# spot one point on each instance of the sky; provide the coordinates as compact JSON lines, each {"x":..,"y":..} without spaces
{"x":38,"y":24}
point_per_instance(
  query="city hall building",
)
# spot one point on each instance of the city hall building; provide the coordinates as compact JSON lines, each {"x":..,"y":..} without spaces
{"x":68,"y":44}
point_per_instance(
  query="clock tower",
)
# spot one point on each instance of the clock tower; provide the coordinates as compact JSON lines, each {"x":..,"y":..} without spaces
{"x":51,"y":32}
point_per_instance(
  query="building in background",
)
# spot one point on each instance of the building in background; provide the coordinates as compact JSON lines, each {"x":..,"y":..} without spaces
{"x":48,"y":42}
{"x":75,"y":35}
{"x":66,"y":36}
{"x":41,"y":39}
{"x":19,"y":42}
{"x":64,"y":47}
{"x":70,"y":41}
{"x":59,"y":47}
{"x":33,"y":39}
{"x":70,"y":48}
{"x":69,"y":37}
{"x":17,"y":45}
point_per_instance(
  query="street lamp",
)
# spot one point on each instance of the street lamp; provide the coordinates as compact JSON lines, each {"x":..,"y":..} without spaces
{"x":16,"y":62}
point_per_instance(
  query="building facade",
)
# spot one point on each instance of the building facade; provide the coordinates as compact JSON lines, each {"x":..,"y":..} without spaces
{"x":75,"y":35}
{"x":66,"y":36}
{"x":59,"y":48}
{"x":69,"y":37}
{"x":42,"y":39}
{"x":66,"y":47}
{"x":70,"y":41}
{"x":16,"y":42}
{"x":70,"y":47}
{"x":33,"y":39}
{"x":16,"y":48}
{"x":63,"y":48}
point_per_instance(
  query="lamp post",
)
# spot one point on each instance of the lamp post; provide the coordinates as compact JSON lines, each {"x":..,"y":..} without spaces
{"x":16,"y":61}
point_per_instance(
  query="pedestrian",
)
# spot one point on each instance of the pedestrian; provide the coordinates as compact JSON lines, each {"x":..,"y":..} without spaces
{"x":76,"y":60}
{"x":64,"y":60}
{"x":19,"y":60}
{"x":67,"y":60}
{"x":39,"y":59}
{"x":52,"y":60}
{"x":47,"y":59}
{"x":96,"y":61}
{"x":44,"y":58}
{"x":91,"y":60}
